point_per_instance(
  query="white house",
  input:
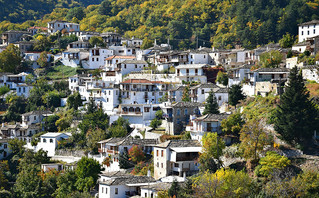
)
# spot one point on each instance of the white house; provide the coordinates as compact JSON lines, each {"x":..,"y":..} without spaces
{"x":128,"y":66}
{"x":310,"y":72}
{"x":176,"y":157}
{"x":191,"y":72}
{"x":199,"y":126}
{"x":198,"y":57}
{"x":112,"y":61}
{"x":49,"y":142}
{"x":152,"y":189}
{"x":74,"y":56}
{"x":201,"y":92}
{"x":96,"y":59}
{"x":307,"y":30}
{"x":4,"y":149}
{"x":133,"y":42}
{"x":54,"y":26}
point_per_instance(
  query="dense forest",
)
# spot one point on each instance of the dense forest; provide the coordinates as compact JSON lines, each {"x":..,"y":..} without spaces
{"x":218,"y":23}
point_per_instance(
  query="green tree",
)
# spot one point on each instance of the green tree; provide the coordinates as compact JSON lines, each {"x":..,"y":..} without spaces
{"x":271,"y":59}
{"x":235,"y":95}
{"x":97,"y":119}
{"x":105,"y":8}
{"x":222,"y":78}
{"x":52,"y":99}
{"x":173,"y":191}
{"x":4,"y":182}
{"x":296,"y":117}
{"x":74,"y":101}
{"x":124,"y":160}
{"x":287,"y":41}
{"x":136,"y":154}
{"x":10,"y":59}
{"x":155,"y":123}
{"x":16,"y":146}
{"x":4,"y":90}
{"x":66,"y":184}
{"x":93,"y":136}
{"x":233,"y":124}
{"x":17,"y":106}
{"x":96,"y":41}
{"x":42,"y":43}
{"x":43,"y":59}
{"x":212,"y":150}
{"x":49,"y":123}
{"x":120,"y":128}
{"x":271,"y":162}
{"x":77,"y":12}
{"x":211,"y":106}
{"x":87,"y":172}
{"x":185,"y":96}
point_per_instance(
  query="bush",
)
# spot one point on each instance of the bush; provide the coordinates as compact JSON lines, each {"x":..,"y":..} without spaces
{"x":4,"y":90}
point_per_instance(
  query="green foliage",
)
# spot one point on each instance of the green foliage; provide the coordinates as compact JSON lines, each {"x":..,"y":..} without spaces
{"x":43,"y":59}
{"x":120,"y":128}
{"x":74,"y":101}
{"x":17,"y":106}
{"x":185,"y":96}
{"x":174,"y":189}
{"x":10,"y":59}
{"x":271,"y":162}
{"x":287,"y":41}
{"x":42,"y":43}
{"x":222,"y":78}
{"x":96,"y":41}
{"x":211,"y":106}
{"x":35,"y":100}
{"x":16,"y":146}
{"x":136,"y":154}
{"x":296,"y":117}
{"x":124,"y":160}
{"x":4,"y":90}
{"x":52,"y":99}
{"x":59,"y":72}
{"x":96,"y":119}
{"x":271,"y":59}
{"x":223,"y":183}
{"x":233,"y":124}
{"x":155,"y":123}
{"x":212,"y":149}
{"x":77,"y":12}
{"x":159,"y":114}
{"x":65,"y":184}
{"x":87,"y":171}
{"x":93,"y":136}
{"x":235,"y":95}
{"x":164,"y":98}
{"x":65,"y":40}
{"x":49,"y":123}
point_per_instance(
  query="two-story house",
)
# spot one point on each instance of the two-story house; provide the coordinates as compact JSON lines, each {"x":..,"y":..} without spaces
{"x":200,"y":93}
{"x":54,"y":26}
{"x":191,"y":72}
{"x":176,"y":157}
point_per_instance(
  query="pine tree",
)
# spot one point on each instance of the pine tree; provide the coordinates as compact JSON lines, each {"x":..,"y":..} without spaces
{"x":174,"y":189}
{"x":235,"y":94}
{"x":211,"y":106}
{"x":296,"y":114}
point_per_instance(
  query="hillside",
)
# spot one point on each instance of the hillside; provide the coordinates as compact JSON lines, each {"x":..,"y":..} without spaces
{"x":219,"y":23}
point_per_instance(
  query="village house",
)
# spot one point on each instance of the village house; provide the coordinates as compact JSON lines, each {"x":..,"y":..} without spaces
{"x":113,"y":147}
{"x":111,"y":38}
{"x":57,"y":167}
{"x":73,"y":57}
{"x":307,"y":30}
{"x":84,"y":35}
{"x":79,"y":44}
{"x":16,"y":82}
{"x":200,"y":93}
{"x":12,"y":36}
{"x":189,"y":73}
{"x":54,"y":26}
{"x":128,"y":66}
{"x":33,"y":58}
{"x":310,"y":72}
{"x":177,"y":115}
{"x":239,"y":74}
{"x":96,"y":59}
{"x":49,"y":142}
{"x":153,"y":189}
{"x":112,"y":61}
{"x":176,"y":157}
{"x":133,"y":42}
{"x":36,"y":29}
{"x":5,"y":151}
{"x":208,"y":123}
{"x":123,"y":50}
{"x":176,"y":94}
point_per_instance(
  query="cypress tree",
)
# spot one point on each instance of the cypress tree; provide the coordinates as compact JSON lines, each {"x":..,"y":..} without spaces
{"x":296,"y":115}
{"x":235,"y":94}
{"x":211,"y":106}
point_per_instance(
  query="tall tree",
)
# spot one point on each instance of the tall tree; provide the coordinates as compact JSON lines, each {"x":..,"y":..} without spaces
{"x":296,"y":117}
{"x":87,"y":172}
{"x":185,"y":96}
{"x":211,"y":106}
{"x":222,"y":78}
{"x":10,"y":59}
{"x":235,"y":95}
{"x":74,"y":101}
{"x":43,"y":59}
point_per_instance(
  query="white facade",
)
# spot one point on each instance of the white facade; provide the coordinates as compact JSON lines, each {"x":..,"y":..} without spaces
{"x":198,"y":58}
{"x":49,"y":142}
{"x":97,"y":58}
{"x":191,"y":72}
{"x":4,"y":148}
{"x":128,"y":66}
{"x":73,"y":57}
{"x":308,"y":30}
{"x":310,"y":73}
{"x":55,"y":26}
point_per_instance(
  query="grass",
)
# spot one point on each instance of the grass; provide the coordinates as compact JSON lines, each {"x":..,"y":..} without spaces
{"x":60,"y":72}
{"x":313,"y":89}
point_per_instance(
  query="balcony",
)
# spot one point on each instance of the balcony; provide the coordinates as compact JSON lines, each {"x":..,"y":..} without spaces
{"x":131,"y":113}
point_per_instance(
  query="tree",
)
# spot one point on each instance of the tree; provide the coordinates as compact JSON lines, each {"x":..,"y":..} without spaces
{"x":16,"y":146}
{"x":211,"y":151}
{"x":42,"y":43}
{"x":65,"y":119}
{"x":211,"y":106}
{"x":4,"y":182}
{"x":120,"y":128}
{"x":52,"y":99}
{"x":253,"y":139}
{"x":173,"y":191}
{"x":233,"y":124}
{"x":185,"y":96}
{"x":93,"y":136}
{"x":105,"y":8}
{"x":74,"y":101}
{"x":16,"y":107}
{"x":124,"y":160}
{"x":10,"y":59}
{"x":87,"y":172}
{"x":155,"y":123}
{"x":287,"y":40}
{"x":96,"y":41}
{"x":235,"y":95}
{"x":49,"y":123}
{"x":66,"y":184}
{"x":187,"y":190}
{"x":271,"y":59}
{"x":43,"y":59}
{"x":136,"y":154}
{"x":223,"y":183}
{"x":271,"y":162}
{"x":296,"y":117}
{"x":222,"y":78}
{"x":77,"y":12}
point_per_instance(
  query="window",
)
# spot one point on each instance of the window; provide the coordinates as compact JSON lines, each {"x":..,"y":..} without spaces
{"x":34,"y":117}
{"x":51,"y":140}
{"x":301,"y":32}
{"x":314,"y":31}
{"x":185,"y":112}
{"x":116,"y":191}
{"x":93,"y":59}
{"x":178,"y":112}
{"x":157,"y":153}
{"x":102,"y":189}
{"x":161,"y":165}
{"x":203,"y":91}
{"x":97,"y":59}
{"x":308,"y":32}
{"x":219,"y":98}
{"x":124,"y":66}
{"x":157,"y":164}
{"x":162,"y":153}
{"x":44,"y":140}
{"x":135,"y":66}
{"x":105,"y":190}
{"x":5,"y":146}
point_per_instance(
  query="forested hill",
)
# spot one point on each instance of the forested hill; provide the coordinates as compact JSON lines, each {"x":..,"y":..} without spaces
{"x":221,"y":23}
{"x":22,"y":10}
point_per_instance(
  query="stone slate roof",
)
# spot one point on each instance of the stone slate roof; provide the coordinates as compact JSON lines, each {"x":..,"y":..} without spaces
{"x":179,"y":88}
{"x":198,"y":66}
{"x":179,"y":143}
{"x":158,"y":186}
{"x":130,"y":141}
{"x":212,"y":117}
{"x":273,"y":70}
{"x":188,"y":104}
{"x":310,"y":22}
{"x":128,"y":180}
{"x":205,"y":85}
{"x":221,"y":90}
{"x":115,"y":174}
{"x":37,"y":113}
